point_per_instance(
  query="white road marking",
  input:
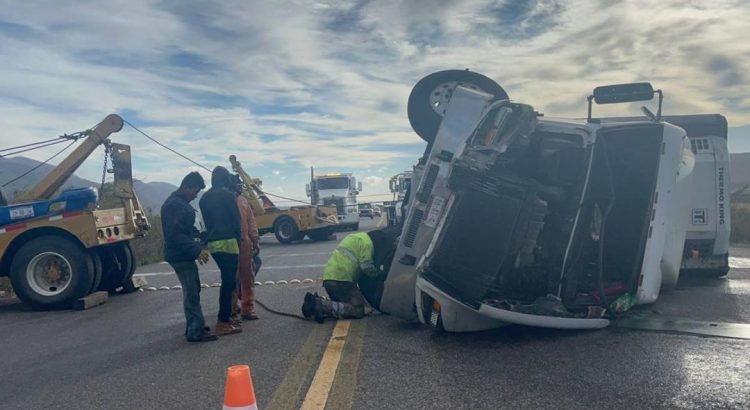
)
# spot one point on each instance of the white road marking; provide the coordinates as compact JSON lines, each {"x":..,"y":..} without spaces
{"x":216,"y":270}
{"x":739,"y":263}
{"x":296,"y":254}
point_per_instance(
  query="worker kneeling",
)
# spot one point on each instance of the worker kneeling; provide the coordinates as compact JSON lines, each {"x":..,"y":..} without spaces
{"x":355,"y":272}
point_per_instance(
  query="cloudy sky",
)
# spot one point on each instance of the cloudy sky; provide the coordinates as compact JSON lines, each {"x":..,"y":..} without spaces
{"x":289,"y":84}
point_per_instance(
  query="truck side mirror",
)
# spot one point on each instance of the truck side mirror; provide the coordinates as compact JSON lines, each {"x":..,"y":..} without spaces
{"x":307,"y":189}
{"x":359,"y":186}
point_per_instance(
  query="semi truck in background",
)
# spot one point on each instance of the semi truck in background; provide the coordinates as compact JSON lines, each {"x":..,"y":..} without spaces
{"x":516,"y":218}
{"x":339,"y":190}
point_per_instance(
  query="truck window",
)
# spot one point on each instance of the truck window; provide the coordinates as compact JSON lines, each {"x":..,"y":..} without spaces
{"x":333,"y":183}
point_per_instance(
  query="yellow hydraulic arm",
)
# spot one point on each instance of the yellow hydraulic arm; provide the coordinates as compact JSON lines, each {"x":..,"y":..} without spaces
{"x":254,"y":193}
{"x":55,"y":179}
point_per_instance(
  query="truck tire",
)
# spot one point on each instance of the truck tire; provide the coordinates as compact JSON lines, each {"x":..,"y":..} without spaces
{"x":129,"y":264}
{"x":51,"y":272}
{"x":319,"y":235}
{"x":97,"y":263}
{"x":285,"y":230}
{"x":430,"y":97}
{"x":355,"y":227}
{"x":118,"y":265}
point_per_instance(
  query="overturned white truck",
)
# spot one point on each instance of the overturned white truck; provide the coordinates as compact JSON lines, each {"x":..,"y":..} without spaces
{"x":519,"y":218}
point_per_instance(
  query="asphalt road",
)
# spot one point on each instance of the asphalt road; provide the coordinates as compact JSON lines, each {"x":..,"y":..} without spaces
{"x":130,"y":353}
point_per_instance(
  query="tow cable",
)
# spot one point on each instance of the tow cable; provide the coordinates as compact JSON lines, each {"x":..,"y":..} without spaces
{"x":261,"y":304}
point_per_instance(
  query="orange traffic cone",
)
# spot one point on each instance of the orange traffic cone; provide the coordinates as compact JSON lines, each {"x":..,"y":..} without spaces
{"x":239,"y":393}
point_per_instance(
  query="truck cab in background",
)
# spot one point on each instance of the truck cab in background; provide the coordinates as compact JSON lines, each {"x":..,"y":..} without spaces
{"x":399,"y":186}
{"x":339,"y":190}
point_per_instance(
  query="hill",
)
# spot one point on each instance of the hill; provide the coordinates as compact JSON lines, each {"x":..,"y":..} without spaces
{"x":151,"y":194}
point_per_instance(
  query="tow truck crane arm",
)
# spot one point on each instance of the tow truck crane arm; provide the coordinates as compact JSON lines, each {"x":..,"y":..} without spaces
{"x":47,"y":187}
{"x":258,"y":200}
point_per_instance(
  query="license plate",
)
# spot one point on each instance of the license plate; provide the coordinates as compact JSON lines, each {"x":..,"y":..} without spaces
{"x":436,"y":209}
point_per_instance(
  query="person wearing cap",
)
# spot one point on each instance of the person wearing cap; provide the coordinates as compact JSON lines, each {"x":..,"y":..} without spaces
{"x":354,"y":273}
{"x":182,"y":248}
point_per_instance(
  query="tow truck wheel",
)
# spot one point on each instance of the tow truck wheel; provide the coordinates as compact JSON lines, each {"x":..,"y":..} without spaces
{"x":319,"y":235}
{"x":285,"y":230}
{"x":129,"y":264}
{"x":51,"y":272}
{"x":97,"y":263}
{"x":429,"y":98}
{"x":118,"y":266}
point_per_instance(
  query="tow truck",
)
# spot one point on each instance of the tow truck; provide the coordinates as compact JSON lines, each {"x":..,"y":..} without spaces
{"x":57,"y":248}
{"x":399,"y":185}
{"x":517,"y":218}
{"x":288,"y":225}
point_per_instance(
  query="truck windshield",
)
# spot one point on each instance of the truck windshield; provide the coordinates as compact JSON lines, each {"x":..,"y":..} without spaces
{"x":333,"y":183}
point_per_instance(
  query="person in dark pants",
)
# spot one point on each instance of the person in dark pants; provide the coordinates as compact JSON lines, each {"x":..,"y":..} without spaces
{"x":223,"y":234}
{"x":355,"y":273}
{"x":182,"y":248}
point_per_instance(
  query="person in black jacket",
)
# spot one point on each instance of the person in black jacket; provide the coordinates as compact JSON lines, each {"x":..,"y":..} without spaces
{"x":182,"y":248}
{"x":223,"y":234}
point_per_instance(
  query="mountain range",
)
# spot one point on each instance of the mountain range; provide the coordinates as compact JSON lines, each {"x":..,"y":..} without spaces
{"x":150,"y":194}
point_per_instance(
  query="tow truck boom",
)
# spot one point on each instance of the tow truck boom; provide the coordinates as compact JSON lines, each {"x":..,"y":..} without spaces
{"x":47,"y":187}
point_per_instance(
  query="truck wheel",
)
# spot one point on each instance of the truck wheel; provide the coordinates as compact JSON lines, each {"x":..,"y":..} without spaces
{"x":319,"y":235}
{"x":429,"y":98}
{"x":129,"y":263}
{"x":51,"y":272}
{"x":285,"y":230}
{"x":97,"y":263}
{"x":118,"y":266}
{"x":355,"y":227}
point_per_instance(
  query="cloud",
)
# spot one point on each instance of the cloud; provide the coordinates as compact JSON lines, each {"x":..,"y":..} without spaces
{"x":290,"y":84}
{"x":373,"y":180}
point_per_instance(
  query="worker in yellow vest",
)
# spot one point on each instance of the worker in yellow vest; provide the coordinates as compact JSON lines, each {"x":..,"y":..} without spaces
{"x":355,"y":272}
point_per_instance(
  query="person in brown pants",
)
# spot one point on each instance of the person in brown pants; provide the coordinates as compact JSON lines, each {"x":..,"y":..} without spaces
{"x":244,"y":297}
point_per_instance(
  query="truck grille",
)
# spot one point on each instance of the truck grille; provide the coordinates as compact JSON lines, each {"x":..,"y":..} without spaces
{"x":411,"y":233}
{"x":429,"y":183}
{"x":337,"y":202}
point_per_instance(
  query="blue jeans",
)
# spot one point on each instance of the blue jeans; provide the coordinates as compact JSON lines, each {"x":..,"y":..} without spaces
{"x":187,"y":273}
{"x":228,"y":266}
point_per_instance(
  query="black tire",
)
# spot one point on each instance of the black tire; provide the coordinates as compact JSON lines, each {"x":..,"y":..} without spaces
{"x":319,"y":235}
{"x":36,"y":289}
{"x":118,"y":264}
{"x":97,"y":263}
{"x":285,"y":230}
{"x":355,"y":227}
{"x":129,"y":263}
{"x":429,"y":98}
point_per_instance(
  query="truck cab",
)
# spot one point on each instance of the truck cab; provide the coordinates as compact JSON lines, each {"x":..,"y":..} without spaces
{"x":339,"y":190}
{"x":519,"y":218}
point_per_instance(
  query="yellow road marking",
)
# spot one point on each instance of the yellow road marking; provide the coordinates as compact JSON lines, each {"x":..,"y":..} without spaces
{"x":317,"y":395}
{"x":345,"y":382}
{"x":380,"y":222}
{"x":290,"y":392}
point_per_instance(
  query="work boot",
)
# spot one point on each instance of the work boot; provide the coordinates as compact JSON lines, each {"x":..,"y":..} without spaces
{"x":309,"y":306}
{"x":249,"y":316}
{"x":206,"y":336}
{"x":226,"y":328}
{"x":323,"y":309}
